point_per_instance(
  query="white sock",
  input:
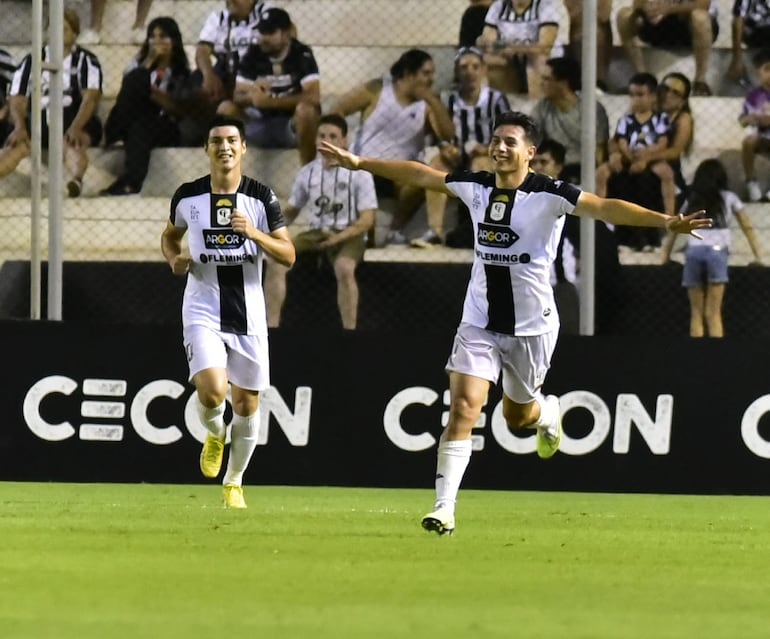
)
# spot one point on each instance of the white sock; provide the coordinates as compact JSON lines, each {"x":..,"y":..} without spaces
{"x":549,"y":415}
{"x":213,"y":418}
{"x":453,"y":458}
{"x":244,"y":433}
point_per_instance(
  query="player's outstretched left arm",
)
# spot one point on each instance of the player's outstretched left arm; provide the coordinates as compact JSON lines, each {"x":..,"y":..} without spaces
{"x":404,"y":171}
{"x":626,"y":213}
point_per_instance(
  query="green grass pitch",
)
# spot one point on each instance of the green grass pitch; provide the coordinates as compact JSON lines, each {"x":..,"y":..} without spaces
{"x":144,"y":561}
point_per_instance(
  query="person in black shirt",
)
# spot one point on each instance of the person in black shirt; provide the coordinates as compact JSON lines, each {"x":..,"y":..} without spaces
{"x":277,"y":89}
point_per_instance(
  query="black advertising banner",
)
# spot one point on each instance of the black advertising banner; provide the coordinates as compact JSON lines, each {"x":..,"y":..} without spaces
{"x":112,"y":403}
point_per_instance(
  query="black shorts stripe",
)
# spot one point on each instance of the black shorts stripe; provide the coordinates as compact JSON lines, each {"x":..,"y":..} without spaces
{"x":502,"y":314}
{"x":232,"y":299}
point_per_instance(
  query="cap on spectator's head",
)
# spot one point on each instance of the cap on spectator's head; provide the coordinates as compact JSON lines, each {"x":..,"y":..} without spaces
{"x":274,"y":19}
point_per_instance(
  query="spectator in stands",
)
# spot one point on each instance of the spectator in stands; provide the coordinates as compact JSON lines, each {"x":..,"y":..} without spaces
{"x":472,"y":22}
{"x":154,"y":97}
{"x":557,"y":114}
{"x":630,"y":172}
{"x":674,"y":101}
{"x":549,"y":160}
{"x":517,"y":39}
{"x":603,"y":37}
{"x":751,"y":27}
{"x":671,"y":23}
{"x":473,"y":106}
{"x":706,"y":261}
{"x":7,"y":68}
{"x":342,"y":207}
{"x":93,"y":35}
{"x":756,"y":115}
{"x":226,"y":36}
{"x":82,"y":78}
{"x":278,"y":89}
{"x":396,"y":113}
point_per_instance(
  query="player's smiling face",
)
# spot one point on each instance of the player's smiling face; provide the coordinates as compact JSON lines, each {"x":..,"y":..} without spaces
{"x":509,"y":148}
{"x":225,"y":146}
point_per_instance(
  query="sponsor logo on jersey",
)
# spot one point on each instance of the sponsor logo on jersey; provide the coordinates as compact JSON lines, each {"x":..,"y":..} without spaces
{"x":496,"y":236}
{"x":221,"y":239}
{"x":503,"y":258}
{"x":205,"y":258}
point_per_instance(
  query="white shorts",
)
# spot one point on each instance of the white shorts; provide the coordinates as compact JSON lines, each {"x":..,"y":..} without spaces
{"x":524,"y":361}
{"x":244,"y":357}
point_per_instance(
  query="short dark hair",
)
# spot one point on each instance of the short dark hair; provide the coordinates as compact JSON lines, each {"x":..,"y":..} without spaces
{"x":335,"y":119}
{"x":410,"y":62}
{"x":644,"y":80}
{"x":226,"y":120}
{"x":557,"y":150}
{"x":761,"y":57}
{"x":517,"y":118}
{"x":566,"y":70}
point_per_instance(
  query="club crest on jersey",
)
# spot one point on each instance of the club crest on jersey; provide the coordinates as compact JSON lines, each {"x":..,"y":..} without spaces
{"x":498,"y":207}
{"x":224,"y":208}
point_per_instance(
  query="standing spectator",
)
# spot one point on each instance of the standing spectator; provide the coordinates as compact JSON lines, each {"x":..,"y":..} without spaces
{"x":705,"y":262}
{"x":223,"y":308}
{"x":751,"y":27}
{"x":93,"y":35}
{"x":82,"y":78}
{"x":671,"y":23}
{"x":342,"y":208}
{"x":603,"y":37}
{"x":278,"y":89}
{"x":517,"y":39}
{"x":8,"y":161}
{"x":630,"y":172}
{"x":396,"y":113}
{"x":473,"y":106}
{"x":756,"y":116}
{"x":472,"y":22}
{"x":226,"y":36}
{"x":153,"y":98}
{"x":557,"y":114}
{"x":509,"y":324}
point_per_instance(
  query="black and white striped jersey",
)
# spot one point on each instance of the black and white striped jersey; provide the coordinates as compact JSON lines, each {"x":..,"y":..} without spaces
{"x":224,"y":286}
{"x":516,"y":235}
{"x":474,"y":122}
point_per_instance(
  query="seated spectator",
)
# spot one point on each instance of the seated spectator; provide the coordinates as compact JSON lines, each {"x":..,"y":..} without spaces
{"x":557,"y":114}
{"x":7,"y":68}
{"x":756,"y":116}
{"x":472,"y":22}
{"x":517,"y":39}
{"x":473,"y":106}
{"x":153,"y":98}
{"x":278,"y":89}
{"x":82,"y":77}
{"x":671,"y":23}
{"x":93,"y":35}
{"x":226,"y":36}
{"x":603,"y":37}
{"x":342,"y":209}
{"x":630,"y":173}
{"x":396,"y":113}
{"x":705,"y":261}
{"x":751,"y":28}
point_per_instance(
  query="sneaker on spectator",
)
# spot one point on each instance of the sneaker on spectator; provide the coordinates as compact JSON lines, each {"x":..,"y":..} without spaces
{"x":89,"y":36}
{"x":700,"y":88}
{"x":753,"y":190}
{"x":429,"y":239}
{"x":395,"y":238}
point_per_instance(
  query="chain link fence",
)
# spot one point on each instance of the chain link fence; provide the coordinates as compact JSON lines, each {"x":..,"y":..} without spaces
{"x":110,"y":240}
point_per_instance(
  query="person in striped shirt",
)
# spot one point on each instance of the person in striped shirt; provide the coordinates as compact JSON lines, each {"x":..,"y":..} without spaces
{"x":82,"y":78}
{"x":509,"y":322}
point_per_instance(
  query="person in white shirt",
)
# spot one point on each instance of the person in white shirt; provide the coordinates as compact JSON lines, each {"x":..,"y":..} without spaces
{"x":705,"y":273}
{"x":233,"y":223}
{"x":342,"y":205}
{"x":509,"y":322}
